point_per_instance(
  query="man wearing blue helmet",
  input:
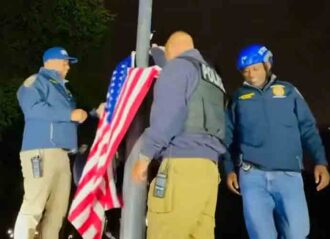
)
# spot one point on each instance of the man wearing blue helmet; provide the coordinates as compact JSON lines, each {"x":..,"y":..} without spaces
{"x":50,"y":132}
{"x":268,"y":124}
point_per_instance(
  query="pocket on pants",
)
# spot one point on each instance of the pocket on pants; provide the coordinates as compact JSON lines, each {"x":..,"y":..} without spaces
{"x":161,"y":205}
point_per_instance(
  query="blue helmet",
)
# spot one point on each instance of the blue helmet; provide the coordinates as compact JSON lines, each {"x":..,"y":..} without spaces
{"x":253,"y":54}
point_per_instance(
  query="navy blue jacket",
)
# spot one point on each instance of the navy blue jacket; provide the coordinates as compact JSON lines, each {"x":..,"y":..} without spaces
{"x":47,"y":107}
{"x":269,"y":127}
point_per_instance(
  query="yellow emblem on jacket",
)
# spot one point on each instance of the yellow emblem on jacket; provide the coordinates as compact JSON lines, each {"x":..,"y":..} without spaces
{"x":247,"y":96}
{"x":278,"y":91}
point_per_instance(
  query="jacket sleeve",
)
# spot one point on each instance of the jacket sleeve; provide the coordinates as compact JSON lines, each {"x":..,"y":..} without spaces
{"x":310,"y":137}
{"x":159,"y":56}
{"x":230,"y":139}
{"x":169,"y":109}
{"x":34,"y":105}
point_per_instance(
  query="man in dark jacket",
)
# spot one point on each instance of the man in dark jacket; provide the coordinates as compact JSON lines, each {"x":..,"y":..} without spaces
{"x":186,"y":128}
{"x":268,"y":123}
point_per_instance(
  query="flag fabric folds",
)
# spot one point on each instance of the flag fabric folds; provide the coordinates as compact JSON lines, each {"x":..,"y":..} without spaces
{"x":96,"y":191}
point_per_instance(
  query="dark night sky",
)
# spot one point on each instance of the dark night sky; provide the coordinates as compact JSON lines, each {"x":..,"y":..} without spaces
{"x":298,"y":33}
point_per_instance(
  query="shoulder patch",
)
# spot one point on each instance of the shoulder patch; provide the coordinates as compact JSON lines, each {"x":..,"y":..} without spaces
{"x":247,"y":96}
{"x":29,"y":81}
{"x":278,"y":91}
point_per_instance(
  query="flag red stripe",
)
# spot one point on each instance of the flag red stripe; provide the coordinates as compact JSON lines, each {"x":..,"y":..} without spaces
{"x":92,"y":220}
{"x":86,"y":177}
{"x":104,"y":148}
{"x":120,"y":111}
{"x":93,"y":172}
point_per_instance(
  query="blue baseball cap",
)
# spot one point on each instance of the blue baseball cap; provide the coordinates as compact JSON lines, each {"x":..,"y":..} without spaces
{"x":58,"y":53}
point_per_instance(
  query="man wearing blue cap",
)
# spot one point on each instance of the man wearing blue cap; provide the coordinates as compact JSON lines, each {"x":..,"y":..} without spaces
{"x":268,"y":123}
{"x":50,"y":132}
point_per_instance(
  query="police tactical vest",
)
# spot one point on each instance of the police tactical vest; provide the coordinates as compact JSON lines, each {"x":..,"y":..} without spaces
{"x":206,"y":105}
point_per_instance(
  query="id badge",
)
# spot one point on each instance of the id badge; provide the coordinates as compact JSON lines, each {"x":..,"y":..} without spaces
{"x":36,"y":166}
{"x":160,"y":185}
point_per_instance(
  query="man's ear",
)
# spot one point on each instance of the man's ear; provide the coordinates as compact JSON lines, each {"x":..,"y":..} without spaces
{"x":268,"y":66}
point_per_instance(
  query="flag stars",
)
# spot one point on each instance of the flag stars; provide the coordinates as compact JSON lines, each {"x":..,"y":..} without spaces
{"x":117,"y":80}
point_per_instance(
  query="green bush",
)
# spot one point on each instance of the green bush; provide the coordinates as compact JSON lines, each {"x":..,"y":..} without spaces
{"x":9,"y":110}
{"x":29,"y":27}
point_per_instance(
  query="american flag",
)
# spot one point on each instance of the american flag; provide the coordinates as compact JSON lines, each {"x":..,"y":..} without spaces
{"x":96,"y":190}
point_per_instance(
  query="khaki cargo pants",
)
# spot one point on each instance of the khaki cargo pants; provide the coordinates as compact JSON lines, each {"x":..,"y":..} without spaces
{"x":45,"y":198}
{"x":188,"y":208}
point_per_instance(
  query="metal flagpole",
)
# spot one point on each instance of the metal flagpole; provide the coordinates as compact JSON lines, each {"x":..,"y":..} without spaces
{"x":143,"y":33}
{"x":133,"y":220}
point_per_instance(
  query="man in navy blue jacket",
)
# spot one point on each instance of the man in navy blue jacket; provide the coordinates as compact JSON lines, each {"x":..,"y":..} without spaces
{"x":268,"y":124}
{"x":50,"y":132}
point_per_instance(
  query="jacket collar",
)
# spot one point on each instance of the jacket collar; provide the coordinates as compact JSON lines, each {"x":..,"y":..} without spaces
{"x":52,"y":75}
{"x":272,"y":80}
{"x":55,"y":78}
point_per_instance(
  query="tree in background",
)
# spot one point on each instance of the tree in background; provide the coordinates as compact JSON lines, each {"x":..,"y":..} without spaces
{"x":28,"y":27}
{"x":9,"y":111}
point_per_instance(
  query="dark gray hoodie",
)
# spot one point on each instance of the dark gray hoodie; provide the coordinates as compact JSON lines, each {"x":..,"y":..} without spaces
{"x":172,"y":91}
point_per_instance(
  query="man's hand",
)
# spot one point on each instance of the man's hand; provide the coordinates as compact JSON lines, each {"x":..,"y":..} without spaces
{"x":232,"y":183}
{"x":321,"y":175}
{"x":154,"y":45}
{"x":100,"y":109}
{"x":78,"y":115}
{"x":140,"y":169}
